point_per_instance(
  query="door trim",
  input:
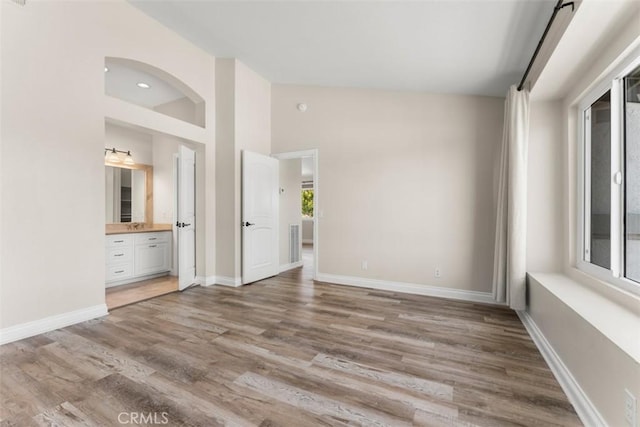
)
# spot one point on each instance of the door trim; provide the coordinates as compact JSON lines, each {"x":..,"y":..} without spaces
{"x":316,"y":199}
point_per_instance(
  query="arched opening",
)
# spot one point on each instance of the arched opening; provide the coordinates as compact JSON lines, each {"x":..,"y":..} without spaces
{"x":150,"y":87}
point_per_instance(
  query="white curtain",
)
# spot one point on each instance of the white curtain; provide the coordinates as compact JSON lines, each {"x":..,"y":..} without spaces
{"x":509,"y":268}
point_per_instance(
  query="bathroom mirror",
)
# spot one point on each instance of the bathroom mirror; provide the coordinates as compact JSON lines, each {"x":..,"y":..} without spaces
{"x":129,"y":194}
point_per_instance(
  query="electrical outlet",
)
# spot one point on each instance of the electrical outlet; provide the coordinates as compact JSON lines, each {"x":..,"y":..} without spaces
{"x":437,"y":273}
{"x":630,"y":408}
{"x":365,"y":265}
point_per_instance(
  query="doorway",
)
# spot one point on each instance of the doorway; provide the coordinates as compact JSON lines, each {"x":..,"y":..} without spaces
{"x":143,"y":243}
{"x":307,"y":208}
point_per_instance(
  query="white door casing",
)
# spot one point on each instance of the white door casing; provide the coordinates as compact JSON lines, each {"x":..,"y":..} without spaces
{"x":186,"y":223}
{"x":260,"y":205}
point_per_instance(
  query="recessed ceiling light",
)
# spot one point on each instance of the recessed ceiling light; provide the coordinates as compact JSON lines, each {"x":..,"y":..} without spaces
{"x":143,"y":85}
{"x":106,"y":69}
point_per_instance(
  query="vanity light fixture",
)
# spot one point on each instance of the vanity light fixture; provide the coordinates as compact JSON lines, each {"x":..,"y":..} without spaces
{"x":128,"y":160}
{"x":106,"y":69}
{"x":143,"y":85}
{"x":111,"y":155}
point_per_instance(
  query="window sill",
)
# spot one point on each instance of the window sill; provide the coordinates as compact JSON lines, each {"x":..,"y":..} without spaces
{"x":618,"y":321}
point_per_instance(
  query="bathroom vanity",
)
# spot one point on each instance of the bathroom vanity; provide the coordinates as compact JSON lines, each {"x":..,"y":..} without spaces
{"x":135,"y":248}
{"x":135,"y":255}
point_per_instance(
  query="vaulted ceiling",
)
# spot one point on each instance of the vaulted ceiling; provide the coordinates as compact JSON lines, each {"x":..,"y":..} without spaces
{"x":476,"y":47}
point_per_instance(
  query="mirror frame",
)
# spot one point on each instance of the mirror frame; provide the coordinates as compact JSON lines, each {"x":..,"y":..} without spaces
{"x":148,"y":183}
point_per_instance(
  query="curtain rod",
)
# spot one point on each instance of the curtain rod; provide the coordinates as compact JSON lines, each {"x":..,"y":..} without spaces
{"x":556,"y":9}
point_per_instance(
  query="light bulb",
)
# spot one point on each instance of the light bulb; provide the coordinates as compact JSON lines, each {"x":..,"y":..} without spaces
{"x":112,"y":156}
{"x":129,"y":160}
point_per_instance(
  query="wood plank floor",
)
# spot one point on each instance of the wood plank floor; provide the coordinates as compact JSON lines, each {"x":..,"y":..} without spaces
{"x":119,"y":296}
{"x":287,"y":352}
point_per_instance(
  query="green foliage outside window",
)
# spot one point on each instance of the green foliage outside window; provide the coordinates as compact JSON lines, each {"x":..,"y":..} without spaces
{"x":307,"y":203}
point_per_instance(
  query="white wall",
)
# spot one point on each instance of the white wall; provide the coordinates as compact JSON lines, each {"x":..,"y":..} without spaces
{"x":52,"y":144}
{"x":290,"y":182}
{"x":243,"y":123}
{"x":406,"y":180}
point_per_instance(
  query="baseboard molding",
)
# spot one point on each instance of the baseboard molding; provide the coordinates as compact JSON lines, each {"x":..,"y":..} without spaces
{"x":587,"y":412}
{"x":307,"y":241}
{"x":228,"y":281}
{"x":409,"y":288}
{"x":137,"y":279}
{"x":29,"y":329}
{"x":206,"y":281}
{"x":285,"y":267}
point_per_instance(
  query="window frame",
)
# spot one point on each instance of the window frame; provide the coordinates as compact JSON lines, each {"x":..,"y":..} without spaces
{"x":614,"y":81}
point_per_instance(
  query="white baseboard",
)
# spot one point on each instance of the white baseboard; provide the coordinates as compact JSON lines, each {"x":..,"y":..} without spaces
{"x":29,"y":329}
{"x":136,"y":279}
{"x":307,"y":241}
{"x":285,"y":267}
{"x":409,"y":288}
{"x":228,"y":281}
{"x":587,"y":412}
{"x":206,"y":281}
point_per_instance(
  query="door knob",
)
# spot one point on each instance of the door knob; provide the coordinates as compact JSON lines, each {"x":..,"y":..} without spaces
{"x":248,"y":224}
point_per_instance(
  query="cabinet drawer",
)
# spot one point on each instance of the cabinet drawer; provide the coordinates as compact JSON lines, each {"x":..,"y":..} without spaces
{"x":119,"y":272}
{"x":156,"y":237}
{"x":152,"y":258}
{"x":119,"y":255}
{"x":119,"y":240}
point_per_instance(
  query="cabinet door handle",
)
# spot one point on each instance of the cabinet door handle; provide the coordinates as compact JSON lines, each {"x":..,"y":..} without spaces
{"x":153,"y":238}
{"x":119,"y":271}
{"x":118,"y":241}
{"x":153,"y":246}
{"x":119,"y":255}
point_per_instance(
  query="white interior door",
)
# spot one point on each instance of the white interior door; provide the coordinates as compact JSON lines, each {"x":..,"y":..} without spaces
{"x":260,"y":190}
{"x":186,"y":222}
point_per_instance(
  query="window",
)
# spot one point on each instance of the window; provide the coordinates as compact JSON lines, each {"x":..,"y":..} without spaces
{"x":632,"y":175}
{"x":307,"y":203}
{"x":610,"y":241}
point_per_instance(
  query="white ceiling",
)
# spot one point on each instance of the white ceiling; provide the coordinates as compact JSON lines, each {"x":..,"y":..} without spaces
{"x":476,"y":47}
{"x":121,"y":80}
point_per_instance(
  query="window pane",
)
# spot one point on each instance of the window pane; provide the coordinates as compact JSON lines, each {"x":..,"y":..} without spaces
{"x":632,"y":175}
{"x":601,"y":181}
{"x":307,"y":203}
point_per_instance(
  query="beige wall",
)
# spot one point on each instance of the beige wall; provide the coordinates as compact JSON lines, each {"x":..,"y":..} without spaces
{"x":243,"y":123}
{"x":124,"y":139}
{"x":597,"y":363}
{"x":290,"y":201}
{"x":225,"y":169}
{"x":307,"y":230}
{"x":182,"y":109}
{"x":545,"y":245}
{"x":53,"y":136}
{"x":601,"y":368}
{"x":406,"y":180}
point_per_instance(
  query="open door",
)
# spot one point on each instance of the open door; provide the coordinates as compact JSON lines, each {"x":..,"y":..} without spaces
{"x":186,"y":222}
{"x":260,"y":190}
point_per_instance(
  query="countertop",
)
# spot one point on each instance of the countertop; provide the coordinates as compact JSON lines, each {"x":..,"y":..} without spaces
{"x":123,"y":228}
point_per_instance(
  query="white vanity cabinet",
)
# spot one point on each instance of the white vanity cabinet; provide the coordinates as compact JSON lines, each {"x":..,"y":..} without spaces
{"x":136,"y":256}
